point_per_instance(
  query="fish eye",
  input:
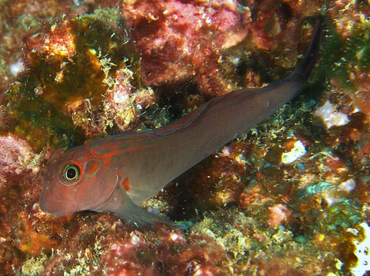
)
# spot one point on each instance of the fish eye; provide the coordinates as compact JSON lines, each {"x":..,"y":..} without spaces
{"x":71,"y":173}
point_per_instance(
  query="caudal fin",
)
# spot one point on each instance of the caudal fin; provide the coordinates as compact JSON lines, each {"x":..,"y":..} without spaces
{"x":305,"y":68}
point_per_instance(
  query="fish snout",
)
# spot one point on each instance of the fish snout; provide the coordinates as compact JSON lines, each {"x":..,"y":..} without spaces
{"x":55,"y":204}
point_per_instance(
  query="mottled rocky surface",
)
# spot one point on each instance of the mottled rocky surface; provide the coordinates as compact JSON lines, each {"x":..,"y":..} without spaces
{"x":288,"y":197}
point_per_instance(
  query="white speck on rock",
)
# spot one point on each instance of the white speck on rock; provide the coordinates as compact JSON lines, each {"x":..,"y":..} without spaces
{"x":347,"y":186}
{"x":298,"y":151}
{"x":362,"y":252}
{"x":17,"y":67}
{"x":330,"y":116}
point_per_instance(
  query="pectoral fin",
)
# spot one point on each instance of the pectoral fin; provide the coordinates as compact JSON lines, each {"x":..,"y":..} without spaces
{"x":139,"y":217}
{"x":120,"y":204}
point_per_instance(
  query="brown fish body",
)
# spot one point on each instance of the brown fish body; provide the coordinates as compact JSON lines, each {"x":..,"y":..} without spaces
{"x":117,"y":172}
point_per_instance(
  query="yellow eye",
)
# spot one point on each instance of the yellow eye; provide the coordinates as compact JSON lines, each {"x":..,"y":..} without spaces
{"x":71,"y":173}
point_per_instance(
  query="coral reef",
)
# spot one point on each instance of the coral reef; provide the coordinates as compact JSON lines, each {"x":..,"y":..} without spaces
{"x":289,"y":197}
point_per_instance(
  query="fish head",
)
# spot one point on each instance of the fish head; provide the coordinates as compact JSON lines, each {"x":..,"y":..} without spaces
{"x":76,"y":180}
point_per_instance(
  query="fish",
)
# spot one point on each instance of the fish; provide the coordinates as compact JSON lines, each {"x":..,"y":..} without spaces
{"x":117,"y":173}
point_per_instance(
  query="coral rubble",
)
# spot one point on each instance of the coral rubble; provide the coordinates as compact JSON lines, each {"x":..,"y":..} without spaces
{"x":289,"y":197}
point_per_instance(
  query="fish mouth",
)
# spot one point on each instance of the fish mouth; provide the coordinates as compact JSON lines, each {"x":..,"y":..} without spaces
{"x":56,"y":207}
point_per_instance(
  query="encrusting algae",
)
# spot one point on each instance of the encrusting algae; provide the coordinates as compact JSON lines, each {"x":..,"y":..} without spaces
{"x":70,"y":72}
{"x":74,"y":71}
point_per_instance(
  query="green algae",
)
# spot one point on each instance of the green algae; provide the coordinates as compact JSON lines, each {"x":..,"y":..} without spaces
{"x":359,"y":45}
{"x":34,"y":119}
{"x":340,"y":54}
{"x":41,"y":102}
{"x":342,"y":215}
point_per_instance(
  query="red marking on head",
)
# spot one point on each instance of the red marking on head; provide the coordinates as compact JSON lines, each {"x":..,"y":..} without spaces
{"x":126,"y":185}
{"x":92,"y":167}
{"x":56,"y":153}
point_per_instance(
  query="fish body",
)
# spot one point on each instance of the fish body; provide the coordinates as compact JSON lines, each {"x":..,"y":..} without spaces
{"x":116,"y":173}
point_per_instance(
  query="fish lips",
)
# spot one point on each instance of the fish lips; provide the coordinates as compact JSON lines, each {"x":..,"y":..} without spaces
{"x":55,"y":206}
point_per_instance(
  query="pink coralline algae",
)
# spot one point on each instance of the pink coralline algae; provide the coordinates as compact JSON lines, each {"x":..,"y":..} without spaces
{"x":198,"y":256}
{"x":16,"y":156}
{"x":181,"y":40}
{"x":278,"y":215}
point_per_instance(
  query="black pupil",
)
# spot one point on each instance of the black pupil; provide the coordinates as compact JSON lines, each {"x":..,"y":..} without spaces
{"x":71,"y":173}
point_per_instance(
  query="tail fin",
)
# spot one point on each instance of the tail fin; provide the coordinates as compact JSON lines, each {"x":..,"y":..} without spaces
{"x":305,"y":68}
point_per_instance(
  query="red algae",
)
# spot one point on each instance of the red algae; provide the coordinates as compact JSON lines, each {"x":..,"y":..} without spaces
{"x":178,"y":40}
{"x":286,"y":198}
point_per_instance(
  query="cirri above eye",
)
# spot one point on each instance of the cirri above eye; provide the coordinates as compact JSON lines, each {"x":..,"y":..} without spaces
{"x":71,"y":173}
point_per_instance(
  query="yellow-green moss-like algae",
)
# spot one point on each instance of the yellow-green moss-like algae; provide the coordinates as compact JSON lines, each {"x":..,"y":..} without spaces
{"x":38,"y":104}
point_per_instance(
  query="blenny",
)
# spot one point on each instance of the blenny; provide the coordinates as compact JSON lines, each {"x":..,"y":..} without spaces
{"x":115,"y":173}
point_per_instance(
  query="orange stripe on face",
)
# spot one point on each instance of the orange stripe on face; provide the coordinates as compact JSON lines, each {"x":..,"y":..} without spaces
{"x":126,"y":185}
{"x":92,"y":167}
